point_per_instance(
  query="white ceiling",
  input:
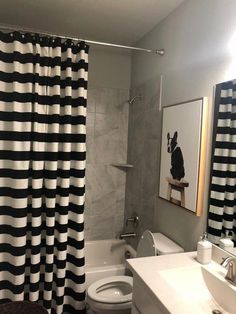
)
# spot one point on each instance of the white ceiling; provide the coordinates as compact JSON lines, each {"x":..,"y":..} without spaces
{"x":116,"y":21}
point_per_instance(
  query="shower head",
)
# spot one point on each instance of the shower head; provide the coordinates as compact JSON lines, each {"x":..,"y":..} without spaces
{"x":130,"y":101}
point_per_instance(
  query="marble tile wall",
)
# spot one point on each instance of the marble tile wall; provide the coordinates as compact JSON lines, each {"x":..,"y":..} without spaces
{"x":143,"y":153}
{"x":107,"y":137}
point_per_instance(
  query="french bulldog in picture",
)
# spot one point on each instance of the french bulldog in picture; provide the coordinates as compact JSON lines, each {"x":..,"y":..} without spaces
{"x":177,"y":160}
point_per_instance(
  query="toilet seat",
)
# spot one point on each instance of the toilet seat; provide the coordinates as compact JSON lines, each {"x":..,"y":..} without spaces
{"x":146,"y":245}
{"x":112,"y":290}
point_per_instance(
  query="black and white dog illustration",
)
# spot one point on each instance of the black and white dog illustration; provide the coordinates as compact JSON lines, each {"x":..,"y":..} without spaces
{"x":177,"y":160}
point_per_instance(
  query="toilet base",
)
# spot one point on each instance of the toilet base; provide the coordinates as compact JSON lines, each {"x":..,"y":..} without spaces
{"x":114,"y":312}
{"x":96,"y":308}
{"x":109,"y":312}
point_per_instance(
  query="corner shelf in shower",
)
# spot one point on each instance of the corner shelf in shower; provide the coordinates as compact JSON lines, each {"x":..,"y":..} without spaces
{"x":124,"y":166}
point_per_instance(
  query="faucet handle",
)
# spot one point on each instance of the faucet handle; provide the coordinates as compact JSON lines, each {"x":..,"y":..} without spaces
{"x":223,"y":262}
{"x":226,"y":261}
{"x":134,"y":219}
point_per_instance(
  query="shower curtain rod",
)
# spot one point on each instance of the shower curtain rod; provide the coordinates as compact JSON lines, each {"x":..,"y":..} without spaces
{"x":159,"y":52}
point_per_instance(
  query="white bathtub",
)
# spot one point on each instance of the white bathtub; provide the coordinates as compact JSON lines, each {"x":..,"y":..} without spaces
{"x":104,"y":258}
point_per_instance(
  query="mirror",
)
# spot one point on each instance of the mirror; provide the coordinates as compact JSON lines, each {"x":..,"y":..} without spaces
{"x":222,"y":192}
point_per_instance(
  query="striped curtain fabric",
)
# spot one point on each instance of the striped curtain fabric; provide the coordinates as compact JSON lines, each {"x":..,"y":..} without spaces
{"x":43,"y":90}
{"x":222,"y":204}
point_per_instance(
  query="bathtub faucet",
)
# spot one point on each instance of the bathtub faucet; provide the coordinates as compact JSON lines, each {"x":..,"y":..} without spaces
{"x":128,"y":235}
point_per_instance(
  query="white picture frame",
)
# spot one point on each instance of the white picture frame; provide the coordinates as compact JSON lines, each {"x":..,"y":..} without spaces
{"x":183,"y":153}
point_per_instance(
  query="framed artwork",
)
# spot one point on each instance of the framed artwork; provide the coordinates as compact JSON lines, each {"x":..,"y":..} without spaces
{"x":183,"y":150}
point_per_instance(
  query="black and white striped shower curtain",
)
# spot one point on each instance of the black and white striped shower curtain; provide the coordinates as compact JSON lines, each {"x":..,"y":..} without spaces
{"x":43,"y":90}
{"x":222,"y":205}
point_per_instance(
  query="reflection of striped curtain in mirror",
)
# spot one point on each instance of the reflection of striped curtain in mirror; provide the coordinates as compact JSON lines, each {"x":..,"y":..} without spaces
{"x":222,"y":203}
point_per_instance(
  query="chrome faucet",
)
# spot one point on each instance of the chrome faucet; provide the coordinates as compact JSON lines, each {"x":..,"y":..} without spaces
{"x":230,"y":264}
{"x":128,"y":235}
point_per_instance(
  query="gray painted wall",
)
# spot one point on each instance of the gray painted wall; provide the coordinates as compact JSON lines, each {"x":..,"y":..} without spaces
{"x":198,"y":38}
{"x":109,"y":67}
{"x":107,"y":134}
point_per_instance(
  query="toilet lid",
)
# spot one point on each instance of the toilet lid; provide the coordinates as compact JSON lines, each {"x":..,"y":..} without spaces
{"x":115,"y":289}
{"x":166,"y":246}
{"x":146,"y":245}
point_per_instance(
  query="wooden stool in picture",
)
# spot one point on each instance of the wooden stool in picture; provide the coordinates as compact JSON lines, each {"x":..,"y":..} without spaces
{"x":179,"y":186}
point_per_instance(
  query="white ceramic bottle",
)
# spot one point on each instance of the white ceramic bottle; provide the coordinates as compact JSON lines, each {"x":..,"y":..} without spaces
{"x":204,"y":250}
{"x":226,"y":242}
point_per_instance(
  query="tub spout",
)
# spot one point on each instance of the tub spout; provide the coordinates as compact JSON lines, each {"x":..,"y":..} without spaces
{"x":128,"y":235}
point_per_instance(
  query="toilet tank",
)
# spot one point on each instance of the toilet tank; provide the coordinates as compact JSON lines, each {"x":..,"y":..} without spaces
{"x":152,"y":244}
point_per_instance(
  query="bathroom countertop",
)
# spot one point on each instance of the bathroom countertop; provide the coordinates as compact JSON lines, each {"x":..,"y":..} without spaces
{"x":156,"y":274}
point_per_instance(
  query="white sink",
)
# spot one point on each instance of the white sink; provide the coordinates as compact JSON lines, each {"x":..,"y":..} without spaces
{"x":221,"y":290}
{"x":202,"y":288}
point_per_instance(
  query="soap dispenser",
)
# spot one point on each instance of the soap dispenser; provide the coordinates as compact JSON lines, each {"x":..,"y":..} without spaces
{"x":226,"y":242}
{"x":204,"y":250}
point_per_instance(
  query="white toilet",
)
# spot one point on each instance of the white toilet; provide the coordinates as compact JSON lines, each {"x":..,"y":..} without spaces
{"x":113,"y":295}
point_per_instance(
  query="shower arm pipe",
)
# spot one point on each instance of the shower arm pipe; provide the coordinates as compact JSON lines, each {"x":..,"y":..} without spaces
{"x":159,"y":52}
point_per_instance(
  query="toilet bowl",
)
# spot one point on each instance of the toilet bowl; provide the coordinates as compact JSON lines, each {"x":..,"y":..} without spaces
{"x":113,"y":295}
